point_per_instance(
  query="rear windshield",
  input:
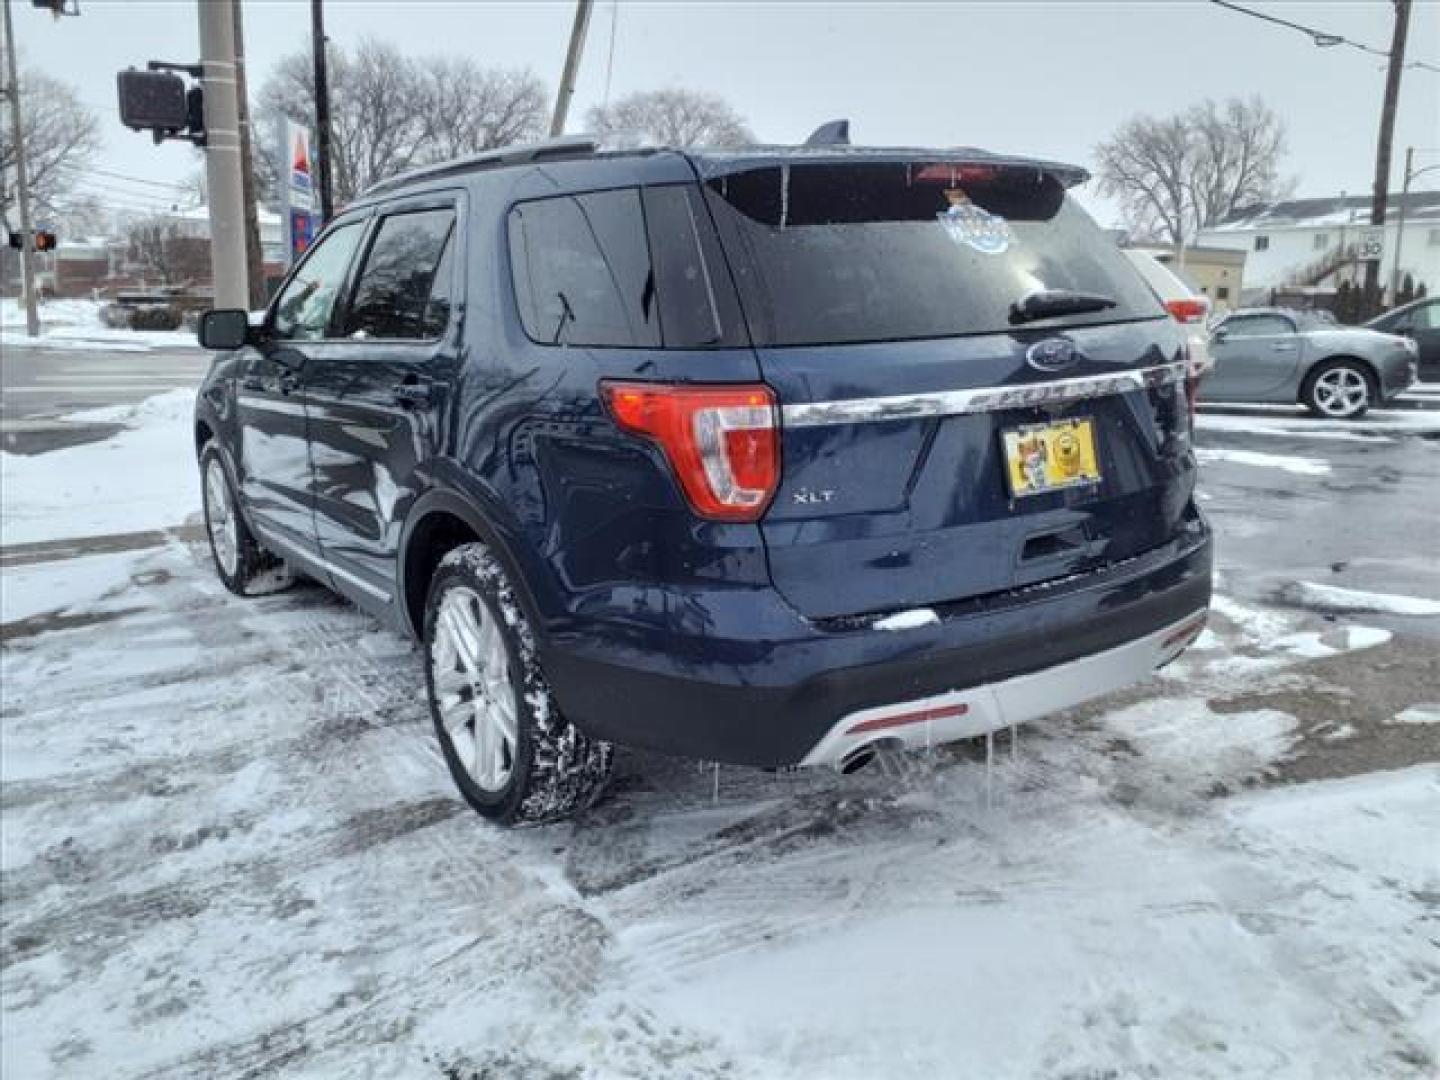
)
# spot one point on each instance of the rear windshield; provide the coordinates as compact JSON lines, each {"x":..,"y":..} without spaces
{"x":831,"y":253}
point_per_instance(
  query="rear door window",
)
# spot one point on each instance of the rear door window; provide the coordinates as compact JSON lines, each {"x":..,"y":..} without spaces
{"x":393,"y":294}
{"x":582,"y":270}
{"x":877,"y":251}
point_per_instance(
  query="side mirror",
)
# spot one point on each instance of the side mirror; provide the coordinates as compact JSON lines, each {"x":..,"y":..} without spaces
{"x":224,"y":329}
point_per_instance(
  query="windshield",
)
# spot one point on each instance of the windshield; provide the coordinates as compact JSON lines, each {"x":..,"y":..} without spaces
{"x":831,"y":253}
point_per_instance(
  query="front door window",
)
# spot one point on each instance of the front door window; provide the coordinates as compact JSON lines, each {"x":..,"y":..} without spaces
{"x":303,"y":311}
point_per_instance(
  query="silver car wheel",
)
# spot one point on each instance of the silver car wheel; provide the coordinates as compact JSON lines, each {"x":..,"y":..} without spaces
{"x":220,"y":518}
{"x":1341,"y":392}
{"x":476,"y":700}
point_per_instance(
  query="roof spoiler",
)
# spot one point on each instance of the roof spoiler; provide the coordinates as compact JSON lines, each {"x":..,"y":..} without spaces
{"x":832,"y":133}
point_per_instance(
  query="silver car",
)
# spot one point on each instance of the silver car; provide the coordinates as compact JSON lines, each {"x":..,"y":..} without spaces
{"x":1273,"y":354}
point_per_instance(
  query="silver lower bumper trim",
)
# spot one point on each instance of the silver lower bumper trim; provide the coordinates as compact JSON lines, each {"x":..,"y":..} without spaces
{"x":978,"y":710}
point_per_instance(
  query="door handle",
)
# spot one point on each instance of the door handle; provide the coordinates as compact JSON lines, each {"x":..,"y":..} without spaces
{"x":1281,"y":347}
{"x":413,"y":393}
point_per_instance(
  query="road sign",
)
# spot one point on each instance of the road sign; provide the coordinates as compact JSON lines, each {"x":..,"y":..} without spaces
{"x":1371,"y":244}
{"x":299,"y":190}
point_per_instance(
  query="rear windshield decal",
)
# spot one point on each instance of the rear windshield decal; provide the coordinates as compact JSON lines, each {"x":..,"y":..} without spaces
{"x":968,"y":224}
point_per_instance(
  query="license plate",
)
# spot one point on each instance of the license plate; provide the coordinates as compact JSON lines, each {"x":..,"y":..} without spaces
{"x":1049,"y":457}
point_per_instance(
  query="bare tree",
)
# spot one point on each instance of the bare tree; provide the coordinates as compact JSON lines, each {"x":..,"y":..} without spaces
{"x":1177,"y":174}
{"x":60,"y":136}
{"x":390,"y":112}
{"x":469,"y":108}
{"x":673,"y":117}
{"x":158,"y":247}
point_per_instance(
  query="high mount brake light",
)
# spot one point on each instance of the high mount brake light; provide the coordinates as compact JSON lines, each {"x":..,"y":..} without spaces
{"x":722,"y":441}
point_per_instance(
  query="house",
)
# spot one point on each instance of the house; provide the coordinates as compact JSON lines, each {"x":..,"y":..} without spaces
{"x":87,"y":266}
{"x":1215,"y":271}
{"x":1319,"y":242}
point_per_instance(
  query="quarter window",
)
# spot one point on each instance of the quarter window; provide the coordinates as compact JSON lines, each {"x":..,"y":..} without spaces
{"x":302,"y":313}
{"x":582,"y":270}
{"x":401,"y":293}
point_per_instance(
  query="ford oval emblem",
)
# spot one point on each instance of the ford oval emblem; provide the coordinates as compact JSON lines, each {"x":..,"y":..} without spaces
{"x":1052,"y":354}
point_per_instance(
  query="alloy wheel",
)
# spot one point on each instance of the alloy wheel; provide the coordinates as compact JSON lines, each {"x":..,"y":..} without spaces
{"x":1341,"y":392}
{"x":220,"y":517}
{"x":474,"y":693}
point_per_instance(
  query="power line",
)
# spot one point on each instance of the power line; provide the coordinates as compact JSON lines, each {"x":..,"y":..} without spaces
{"x":87,"y":171}
{"x":1322,"y":38}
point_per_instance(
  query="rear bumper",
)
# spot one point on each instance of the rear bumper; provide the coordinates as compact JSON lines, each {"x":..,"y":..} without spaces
{"x":963,"y":714}
{"x":743,"y":678}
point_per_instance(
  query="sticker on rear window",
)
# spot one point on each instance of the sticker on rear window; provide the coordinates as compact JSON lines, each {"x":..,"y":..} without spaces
{"x":968,"y":224}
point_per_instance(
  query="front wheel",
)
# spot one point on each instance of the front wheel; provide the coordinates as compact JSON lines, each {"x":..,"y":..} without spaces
{"x":514,"y":757}
{"x":1338,"y":390}
{"x":245,"y":568}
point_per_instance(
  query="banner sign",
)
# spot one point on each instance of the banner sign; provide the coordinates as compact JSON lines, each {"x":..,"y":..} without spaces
{"x":297,"y":187}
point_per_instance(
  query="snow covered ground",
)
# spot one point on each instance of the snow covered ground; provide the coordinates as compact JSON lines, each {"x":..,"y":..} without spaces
{"x":144,"y":477}
{"x":230,"y":848}
{"x":75,"y":324}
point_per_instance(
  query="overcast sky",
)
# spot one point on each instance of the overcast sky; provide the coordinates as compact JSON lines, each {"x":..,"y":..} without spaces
{"x":1046,"y":78}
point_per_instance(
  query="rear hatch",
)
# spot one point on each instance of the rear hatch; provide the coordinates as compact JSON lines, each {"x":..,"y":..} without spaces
{"x":935,"y":446}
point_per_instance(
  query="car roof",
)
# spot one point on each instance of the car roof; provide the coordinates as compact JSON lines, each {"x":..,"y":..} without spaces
{"x":706,"y":162}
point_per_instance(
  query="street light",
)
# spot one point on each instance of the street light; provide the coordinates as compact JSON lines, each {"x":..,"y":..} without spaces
{"x":1410,"y":174}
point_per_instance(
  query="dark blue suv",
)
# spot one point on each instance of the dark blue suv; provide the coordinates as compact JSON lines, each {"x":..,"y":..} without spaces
{"x":773,"y":456}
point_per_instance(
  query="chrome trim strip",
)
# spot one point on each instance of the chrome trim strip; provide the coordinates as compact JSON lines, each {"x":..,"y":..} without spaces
{"x":319,"y":562}
{"x":265,"y":404}
{"x":980,"y":400}
{"x":1008,"y":702}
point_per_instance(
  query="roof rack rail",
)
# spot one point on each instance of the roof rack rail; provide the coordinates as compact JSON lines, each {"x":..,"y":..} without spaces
{"x":520,"y":154}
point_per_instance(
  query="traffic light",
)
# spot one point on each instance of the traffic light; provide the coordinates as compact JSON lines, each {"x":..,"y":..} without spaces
{"x":44,"y":240}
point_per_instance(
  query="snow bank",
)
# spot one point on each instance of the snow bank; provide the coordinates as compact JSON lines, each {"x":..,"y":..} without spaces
{"x":1337,"y":599}
{"x":1286,"y":420}
{"x":1300,"y":466}
{"x":42,"y":587}
{"x":52,"y":313}
{"x":142,"y":478}
{"x":75,"y":324}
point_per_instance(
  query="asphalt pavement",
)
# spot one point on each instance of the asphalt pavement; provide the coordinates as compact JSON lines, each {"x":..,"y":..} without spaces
{"x":40,"y":387}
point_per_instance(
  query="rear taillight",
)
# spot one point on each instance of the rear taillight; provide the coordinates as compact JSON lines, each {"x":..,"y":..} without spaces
{"x":1191,"y":312}
{"x":721,"y":441}
{"x":1190,"y":309}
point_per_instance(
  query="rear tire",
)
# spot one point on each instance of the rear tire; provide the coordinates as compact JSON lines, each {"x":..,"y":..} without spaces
{"x":243,"y":566}
{"x":514,"y":757}
{"x":1339,"y":390}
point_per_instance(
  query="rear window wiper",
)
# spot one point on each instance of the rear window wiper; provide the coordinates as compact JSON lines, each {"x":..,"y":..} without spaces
{"x":1044,"y":303}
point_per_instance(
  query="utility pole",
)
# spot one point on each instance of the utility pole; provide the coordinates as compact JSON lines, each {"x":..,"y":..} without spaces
{"x":322,"y":110}
{"x":22,"y":181}
{"x":1381,"y":190}
{"x":1410,"y":174}
{"x":254,"y":256}
{"x":222,"y":154}
{"x":572,"y":67}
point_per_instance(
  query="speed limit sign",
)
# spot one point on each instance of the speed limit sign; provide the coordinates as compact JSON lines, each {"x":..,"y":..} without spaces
{"x":1371,"y":244}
